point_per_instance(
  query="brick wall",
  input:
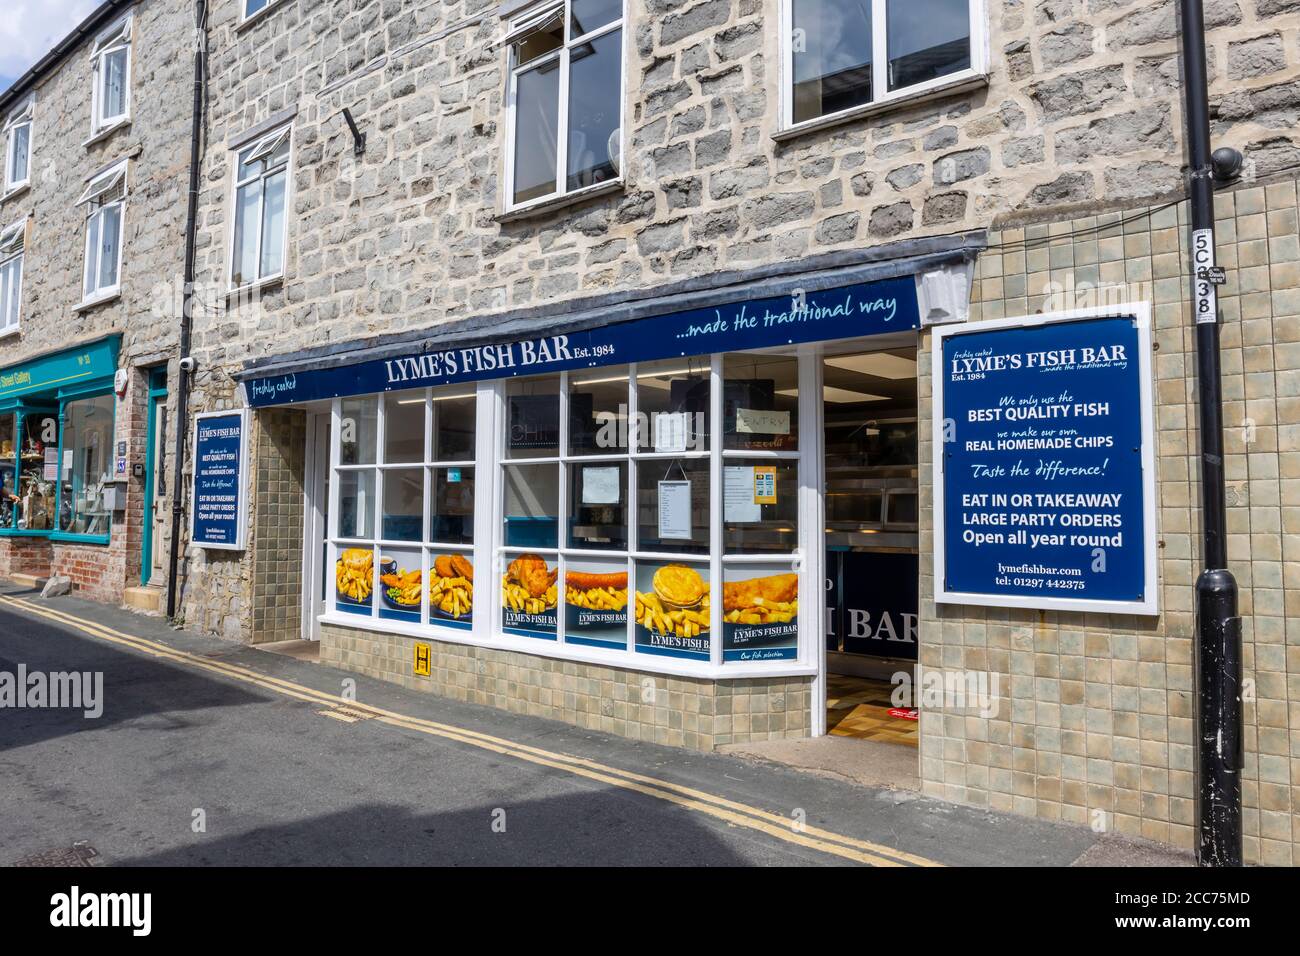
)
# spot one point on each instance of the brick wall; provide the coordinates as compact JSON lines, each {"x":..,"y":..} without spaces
{"x":1096,"y":724}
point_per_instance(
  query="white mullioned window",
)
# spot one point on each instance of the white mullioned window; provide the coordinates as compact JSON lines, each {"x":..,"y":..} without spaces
{"x":110,"y":59}
{"x":254,"y":7}
{"x":12,"y":240}
{"x":18,"y":147}
{"x":843,"y":55}
{"x":261,"y":198}
{"x":105,"y":202}
{"x":565,"y":122}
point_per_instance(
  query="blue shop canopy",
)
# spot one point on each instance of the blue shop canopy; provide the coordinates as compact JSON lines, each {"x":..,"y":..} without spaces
{"x":60,"y":374}
{"x":796,"y":316}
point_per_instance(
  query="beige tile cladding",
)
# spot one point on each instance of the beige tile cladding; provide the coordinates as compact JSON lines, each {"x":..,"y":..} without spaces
{"x":677,"y":711}
{"x":1096,"y":724}
{"x":277,"y":505}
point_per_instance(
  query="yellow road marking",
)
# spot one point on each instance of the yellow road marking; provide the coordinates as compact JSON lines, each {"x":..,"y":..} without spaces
{"x":730,"y":811}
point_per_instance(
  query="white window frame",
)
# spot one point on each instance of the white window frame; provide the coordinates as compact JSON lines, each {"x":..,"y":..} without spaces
{"x":490,"y":554}
{"x":883,"y":98}
{"x":516,"y":27}
{"x":264,"y":145}
{"x":117,"y":37}
{"x":104,"y":182}
{"x":246,"y":17}
{"x":12,"y":245}
{"x":18,"y":118}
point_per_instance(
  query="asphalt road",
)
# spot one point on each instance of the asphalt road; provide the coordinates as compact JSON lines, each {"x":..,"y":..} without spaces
{"x":279,"y":783}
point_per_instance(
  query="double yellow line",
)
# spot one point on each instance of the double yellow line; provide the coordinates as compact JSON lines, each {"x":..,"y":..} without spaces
{"x":712,"y":805}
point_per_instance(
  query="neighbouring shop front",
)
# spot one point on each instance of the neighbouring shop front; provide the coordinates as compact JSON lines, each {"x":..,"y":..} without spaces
{"x":721,"y":495}
{"x":62,"y":496}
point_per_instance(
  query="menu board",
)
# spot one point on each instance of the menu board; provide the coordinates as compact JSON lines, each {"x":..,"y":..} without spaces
{"x":1045,"y":478}
{"x":218,"y":512}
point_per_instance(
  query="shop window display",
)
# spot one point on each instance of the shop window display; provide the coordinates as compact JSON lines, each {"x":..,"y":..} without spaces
{"x":87,"y":466}
{"x":29,"y":450}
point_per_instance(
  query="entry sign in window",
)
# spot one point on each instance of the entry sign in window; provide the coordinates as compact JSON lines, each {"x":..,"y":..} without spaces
{"x":1045,"y":474}
{"x":218,"y":509}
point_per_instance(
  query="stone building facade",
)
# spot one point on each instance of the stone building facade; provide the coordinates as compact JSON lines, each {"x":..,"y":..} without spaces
{"x":1054,"y":168}
{"x":57,"y":314}
{"x":1068,"y":152}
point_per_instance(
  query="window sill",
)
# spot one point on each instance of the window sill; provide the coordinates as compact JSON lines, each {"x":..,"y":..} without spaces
{"x":10,"y":330}
{"x":107,"y":131}
{"x":960,"y":83}
{"x":251,"y":288}
{"x":541,"y":207}
{"x":249,"y":22}
{"x":99,"y":299}
{"x":626,"y":660}
{"x":15,"y":191}
{"x":23,"y":533}
{"x":65,"y":537}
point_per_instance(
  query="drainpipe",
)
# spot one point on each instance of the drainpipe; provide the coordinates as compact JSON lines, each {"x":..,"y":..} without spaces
{"x":187,"y":309}
{"x":1218,"y":628}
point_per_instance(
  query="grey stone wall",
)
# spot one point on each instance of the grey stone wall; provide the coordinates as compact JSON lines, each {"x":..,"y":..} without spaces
{"x":1081,"y":109}
{"x":147,"y":313}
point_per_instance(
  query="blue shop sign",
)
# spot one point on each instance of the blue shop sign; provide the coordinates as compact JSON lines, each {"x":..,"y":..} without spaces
{"x":849,"y":311}
{"x":1045,"y":478}
{"x":219,"y":510}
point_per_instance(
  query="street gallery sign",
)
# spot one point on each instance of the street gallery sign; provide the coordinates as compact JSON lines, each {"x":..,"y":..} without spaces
{"x":219,"y":510}
{"x":1044,"y":472}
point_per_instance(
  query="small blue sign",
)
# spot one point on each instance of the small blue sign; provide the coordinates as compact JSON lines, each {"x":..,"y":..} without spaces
{"x":1043,"y":490}
{"x":218,"y":506}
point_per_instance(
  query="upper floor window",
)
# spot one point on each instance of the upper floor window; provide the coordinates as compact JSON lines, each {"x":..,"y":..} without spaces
{"x":843,"y":54}
{"x":252,"y":7}
{"x":110,"y":58}
{"x":261,"y":188}
{"x":566,"y":98}
{"x":105,"y":202}
{"x":18,"y":147}
{"x":11,"y":274}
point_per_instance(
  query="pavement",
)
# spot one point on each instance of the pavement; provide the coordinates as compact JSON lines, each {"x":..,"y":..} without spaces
{"x":214,"y":753}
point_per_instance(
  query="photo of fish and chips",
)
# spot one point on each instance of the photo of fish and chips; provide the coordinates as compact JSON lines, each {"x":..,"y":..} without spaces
{"x":401,"y":582}
{"x":760,"y":616}
{"x":354,"y":580}
{"x":595,"y":604}
{"x":529,"y":596}
{"x":451,"y":590}
{"x":672,"y":611}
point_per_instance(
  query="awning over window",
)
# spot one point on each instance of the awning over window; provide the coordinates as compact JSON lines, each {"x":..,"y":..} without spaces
{"x":838,"y":295}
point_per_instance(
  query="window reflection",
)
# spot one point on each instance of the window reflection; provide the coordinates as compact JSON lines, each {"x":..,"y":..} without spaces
{"x":831,"y":56}
{"x":673,"y":405}
{"x":673,"y":505}
{"x":927,"y":39}
{"x":597,"y":506}
{"x":598,"y":422}
{"x":760,"y":402}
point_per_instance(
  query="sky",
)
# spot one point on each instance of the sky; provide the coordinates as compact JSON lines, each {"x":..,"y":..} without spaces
{"x":29,"y":28}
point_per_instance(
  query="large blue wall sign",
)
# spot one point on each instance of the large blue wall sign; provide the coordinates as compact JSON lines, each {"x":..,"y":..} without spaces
{"x":1044,"y":479}
{"x":863,"y":309}
{"x":219,"y":509}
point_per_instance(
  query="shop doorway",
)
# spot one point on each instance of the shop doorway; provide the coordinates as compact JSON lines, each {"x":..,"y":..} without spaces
{"x":870,"y":492}
{"x":316,"y":485}
{"x":153,"y":548}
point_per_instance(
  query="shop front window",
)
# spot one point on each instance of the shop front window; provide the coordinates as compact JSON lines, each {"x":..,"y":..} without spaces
{"x":86,"y":467}
{"x":29,"y":453}
{"x":619,"y":521}
{"x":403,"y":532}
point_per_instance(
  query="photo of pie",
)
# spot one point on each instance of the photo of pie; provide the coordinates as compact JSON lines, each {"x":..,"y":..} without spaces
{"x":678,"y":585}
{"x":678,"y":602}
